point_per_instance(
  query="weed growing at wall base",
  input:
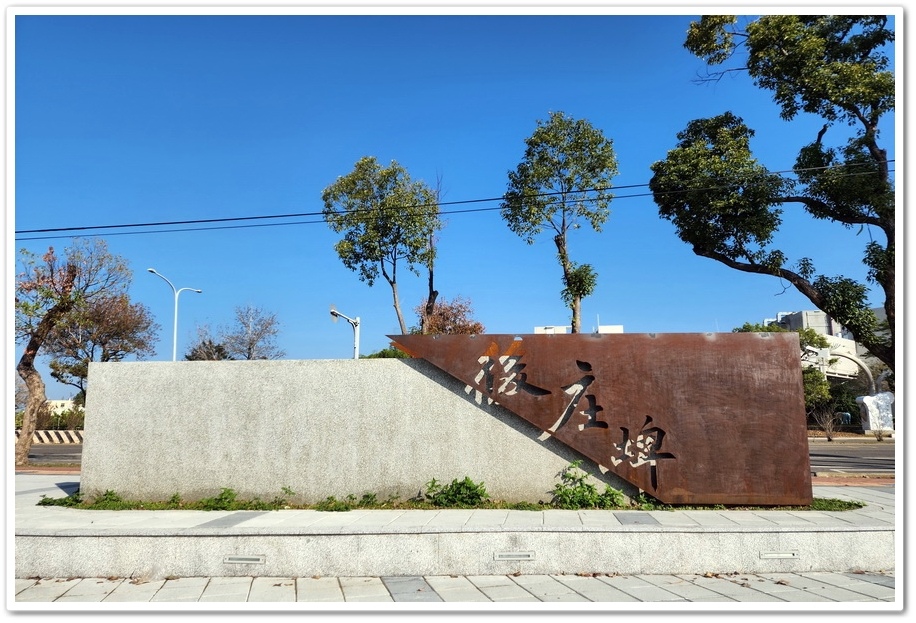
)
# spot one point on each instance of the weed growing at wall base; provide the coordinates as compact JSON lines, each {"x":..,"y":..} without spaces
{"x":573,"y":492}
{"x":459,"y":494}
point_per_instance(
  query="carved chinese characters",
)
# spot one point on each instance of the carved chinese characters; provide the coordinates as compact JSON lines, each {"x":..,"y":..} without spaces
{"x":688,"y":418}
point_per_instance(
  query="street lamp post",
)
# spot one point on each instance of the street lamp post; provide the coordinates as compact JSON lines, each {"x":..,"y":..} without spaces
{"x":354,"y":322}
{"x":175,"y":330}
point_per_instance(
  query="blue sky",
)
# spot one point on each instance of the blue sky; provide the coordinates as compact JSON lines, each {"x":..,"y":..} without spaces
{"x":126,"y":119}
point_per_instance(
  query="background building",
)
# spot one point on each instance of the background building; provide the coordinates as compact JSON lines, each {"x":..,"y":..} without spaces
{"x":604,"y":328}
{"x":841,"y":340}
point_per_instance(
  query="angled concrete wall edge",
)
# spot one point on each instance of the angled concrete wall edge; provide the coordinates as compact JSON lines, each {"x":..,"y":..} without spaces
{"x":319,"y":428}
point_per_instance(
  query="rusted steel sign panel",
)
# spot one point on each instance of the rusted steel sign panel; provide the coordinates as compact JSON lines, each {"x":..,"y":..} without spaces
{"x":689,"y":418}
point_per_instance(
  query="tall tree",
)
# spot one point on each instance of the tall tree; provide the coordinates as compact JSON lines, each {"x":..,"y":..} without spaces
{"x":207,"y":350}
{"x":47,"y":291}
{"x":107,"y":329}
{"x":433,"y":294}
{"x":253,"y":336}
{"x":448,"y":317}
{"x":728,"y":207}
{"x":207,"y":347}
{"x":563,"y":179}
{"x":386,"y":218}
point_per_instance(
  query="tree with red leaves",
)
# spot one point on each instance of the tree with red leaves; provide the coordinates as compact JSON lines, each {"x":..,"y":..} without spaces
{"x":49,"y":291}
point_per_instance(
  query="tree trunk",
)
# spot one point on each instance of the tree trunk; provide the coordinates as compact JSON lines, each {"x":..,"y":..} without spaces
{"x":575,"y":300}
{"x":433,"y":294}
{"x":26,"y":367}
{"x":397,"y":306}
{"x":576,"y":314}
{"x":34,"y":404}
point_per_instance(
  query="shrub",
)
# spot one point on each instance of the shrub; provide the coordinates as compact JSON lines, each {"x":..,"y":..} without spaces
{"x":826,"y":419}
{"x":574,"y":492}
{"x":368,"y":500}
{"x":223,"y":502}
{"x":111,"y":501}
{"x":646,"y":502}
{"x":332,"y":504}
{"x":460,"y":493}
{"x":75,"y":499}
{"x":45,"y":419}
{"x":282,"y":501}
{"x":72,"y":419}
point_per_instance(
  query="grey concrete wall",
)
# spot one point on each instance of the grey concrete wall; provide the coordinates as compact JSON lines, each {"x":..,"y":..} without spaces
{"x":319,"y":427}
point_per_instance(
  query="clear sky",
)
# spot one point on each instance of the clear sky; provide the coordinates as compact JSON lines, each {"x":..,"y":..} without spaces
{"x":132,"y":119}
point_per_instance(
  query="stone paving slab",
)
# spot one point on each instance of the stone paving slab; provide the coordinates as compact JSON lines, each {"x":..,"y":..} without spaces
{"x":636,"y":518}
{"x":456,"y":588}
{"x":684,"y":588}
{"x":181,"y":590}
{"x":593,"y":589}
{"x":364,"y":589}
{"x":738,"y":590}
{"x":547,"y":588}
{"x":501,"y":588}
{"x":410,"y":588}
{"x":272,"y":590}
{"x":842,"y":590}
{"x":851,"y":582}
{"x":319,"y":589}
{"x":45,"y":590}
{"x":133,"y":592}
{"x":227,"y":589}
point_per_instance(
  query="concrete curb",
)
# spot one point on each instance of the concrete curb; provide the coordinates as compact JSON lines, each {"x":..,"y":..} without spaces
{"x":865,"y":439}
{"x":880,"y":475}
{"x":61,"y":542}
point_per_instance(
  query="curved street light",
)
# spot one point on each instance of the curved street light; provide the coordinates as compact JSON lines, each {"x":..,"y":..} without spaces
{"x":823,"y":361}
{"x":175,"y":330}
{"x":354,"y":322}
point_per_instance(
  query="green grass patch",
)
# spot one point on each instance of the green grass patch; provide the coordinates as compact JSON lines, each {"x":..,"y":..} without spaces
{"x":833,"y":504}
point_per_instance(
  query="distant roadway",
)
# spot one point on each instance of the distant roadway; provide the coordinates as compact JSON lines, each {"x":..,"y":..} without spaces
{"x":852,"y":456}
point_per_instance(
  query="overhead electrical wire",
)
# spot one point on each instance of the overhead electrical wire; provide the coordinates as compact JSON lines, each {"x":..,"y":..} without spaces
{"x":321,"y":214}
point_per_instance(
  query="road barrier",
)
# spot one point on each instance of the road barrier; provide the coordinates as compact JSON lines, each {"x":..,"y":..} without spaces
{"x":55,"y":436}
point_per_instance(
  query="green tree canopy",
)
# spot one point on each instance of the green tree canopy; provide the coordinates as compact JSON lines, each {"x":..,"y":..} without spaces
{"x":563,"y":180}
{"x":806,"y":337}
{"x":386,"y":219}
{"x":387,"y":353}
{"x":728,"y":206}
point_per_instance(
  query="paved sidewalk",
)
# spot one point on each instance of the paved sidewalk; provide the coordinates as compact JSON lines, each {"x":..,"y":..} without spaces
{"x":843,"y":590}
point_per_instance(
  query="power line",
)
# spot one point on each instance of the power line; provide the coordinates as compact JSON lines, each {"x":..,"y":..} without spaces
{"x":298,"y":215}
{"x":307,"y":214}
